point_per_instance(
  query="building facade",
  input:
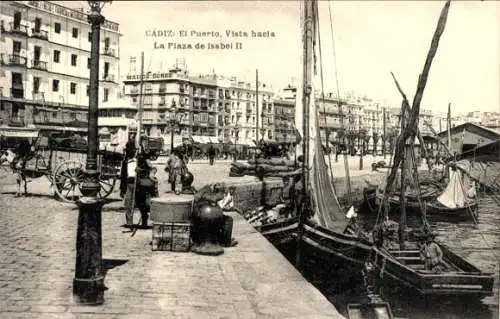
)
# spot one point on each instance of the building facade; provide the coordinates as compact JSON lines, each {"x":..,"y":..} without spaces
{"x":45,"y":65}
{"x":206,"y":108}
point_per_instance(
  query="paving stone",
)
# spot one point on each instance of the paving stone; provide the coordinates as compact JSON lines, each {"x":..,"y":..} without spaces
{"x":37,"y":245}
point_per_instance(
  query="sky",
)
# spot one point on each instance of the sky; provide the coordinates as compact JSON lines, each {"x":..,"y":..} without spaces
{"x":370,"y":40}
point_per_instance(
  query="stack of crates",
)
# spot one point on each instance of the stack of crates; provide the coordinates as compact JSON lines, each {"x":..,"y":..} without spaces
{"x":171,"y":216}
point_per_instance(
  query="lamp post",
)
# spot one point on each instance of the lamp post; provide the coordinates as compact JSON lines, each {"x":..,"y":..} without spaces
{"x":173,"y":121}
{"x":88,"y":283}
{"x":236,"y":135}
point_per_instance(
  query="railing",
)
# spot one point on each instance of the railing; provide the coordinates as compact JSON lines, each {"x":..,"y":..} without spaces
{"x":39,"y":34}
{"x":162,"y":90}
{"x":40,"y":65}
{"x":108,"y":78}
{"x":38,"y":96}
{"x":109,"y":52}
{"x":18,"y":28}
{"x":134,"y":91}
{"x":15,"y":59}
{"x":17,"y":92}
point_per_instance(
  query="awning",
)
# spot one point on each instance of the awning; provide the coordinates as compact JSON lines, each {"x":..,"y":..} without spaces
{"x":60,"y":128}
{"x":104,"y":131}
{"x":23,"y":132}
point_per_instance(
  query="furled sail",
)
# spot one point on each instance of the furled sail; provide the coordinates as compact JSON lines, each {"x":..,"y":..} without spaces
{"x":455,"y":193}
{"x":326,"y":210}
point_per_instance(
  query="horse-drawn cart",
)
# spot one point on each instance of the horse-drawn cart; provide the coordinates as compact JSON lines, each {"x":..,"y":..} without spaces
{"x":62,"y":160}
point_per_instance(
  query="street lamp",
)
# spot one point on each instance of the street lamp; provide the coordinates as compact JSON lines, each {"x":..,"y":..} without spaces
{"x":88,"y":284}
{"x":173,"y":121}
{"x":236,"y":135}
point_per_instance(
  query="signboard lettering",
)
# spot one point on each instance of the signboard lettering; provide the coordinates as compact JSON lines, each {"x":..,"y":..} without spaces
{"x":70,"y":13}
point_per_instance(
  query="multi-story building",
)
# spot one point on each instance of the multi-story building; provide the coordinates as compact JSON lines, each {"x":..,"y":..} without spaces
{"x":205,"y":107}
{"x":45,"y":59}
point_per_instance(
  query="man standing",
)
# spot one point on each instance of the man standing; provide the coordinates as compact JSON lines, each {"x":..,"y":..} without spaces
{"x":431,"y":254}
{"x":175,"y":168}
{"x":129,"y":154}
{"x":141,"y":188}
{"x":211,"y":153}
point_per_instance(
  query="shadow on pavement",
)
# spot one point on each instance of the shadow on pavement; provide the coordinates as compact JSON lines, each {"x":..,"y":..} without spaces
{"x":108,"y":264}
{"x":29,"y":195}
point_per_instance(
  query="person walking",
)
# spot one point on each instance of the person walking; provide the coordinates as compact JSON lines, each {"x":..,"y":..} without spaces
{"x":211,"y":153}
{"x":175,"y":168}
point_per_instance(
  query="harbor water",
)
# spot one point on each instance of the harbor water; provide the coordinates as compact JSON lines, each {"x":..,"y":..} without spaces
{"x":477,"y":243}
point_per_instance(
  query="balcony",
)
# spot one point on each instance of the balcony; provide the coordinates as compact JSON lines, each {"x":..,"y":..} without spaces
{"x":38,"y":96}
{"x":39,"y":34}
{"x":19,"y":29}
{"x":109,"y":52}
{"x":39,"y":65}
{"x":17,"y":91}
{"x":162,"y":90}
{"x":14,"y":60}
{"x":134,"y":91}
{"x":108,"y":78}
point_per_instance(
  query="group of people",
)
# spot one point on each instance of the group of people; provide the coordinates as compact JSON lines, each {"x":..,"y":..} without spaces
{"x":138,"y":182}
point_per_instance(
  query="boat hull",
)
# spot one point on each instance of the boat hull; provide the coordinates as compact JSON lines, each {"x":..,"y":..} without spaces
{"x":434,"y":211}
{"x":459,"y":278}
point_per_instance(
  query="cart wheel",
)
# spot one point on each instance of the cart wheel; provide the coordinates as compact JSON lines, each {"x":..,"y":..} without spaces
{"x":68,"y":177}
{"x":107,"y":180}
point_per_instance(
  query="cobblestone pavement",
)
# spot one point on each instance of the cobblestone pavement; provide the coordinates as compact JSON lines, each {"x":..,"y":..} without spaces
{"x":37,"y":249}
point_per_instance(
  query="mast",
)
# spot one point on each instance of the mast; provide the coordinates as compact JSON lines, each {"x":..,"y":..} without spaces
{"x":448,"y":124}
{"x":384,"y":133}
{"x":257,"y":106}
{"x":139,"y":110}
{"x":306,"y":98}
{"x":402,"y":196}
{"x":139,"y":129}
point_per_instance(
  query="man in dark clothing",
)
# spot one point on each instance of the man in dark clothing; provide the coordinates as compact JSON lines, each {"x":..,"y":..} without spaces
{"x":22,"y":152}
{"x":144,"y":187}
{"x":129,"y":153}
{"x":211,"y":153}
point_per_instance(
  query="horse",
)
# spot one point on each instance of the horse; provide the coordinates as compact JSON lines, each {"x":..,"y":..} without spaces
{"x":20,"y":173}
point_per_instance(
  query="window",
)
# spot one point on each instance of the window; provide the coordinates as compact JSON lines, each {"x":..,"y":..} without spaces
{"x":106,"y":95}
{"x":57,"y":27}
{"x":148,"y":100}
{"x":106,"y":69}
{"x":88,"y":90}
{"x":38,"y":23}
{"x":90,"y":36}
{"x":57,"y":56}
{"x":55,"y":85}
{"x":106,"y":44}
{"x":17,"y":20}
{"x":88,"y":63}
{"x":73,"y":59}
{"x":16,"y":47}
{"x":72,"y":88}
{"x":36,"y":84}
{"x":74,"y":32}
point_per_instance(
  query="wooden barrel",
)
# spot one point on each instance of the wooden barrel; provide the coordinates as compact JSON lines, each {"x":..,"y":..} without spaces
{"x":171,"y":208}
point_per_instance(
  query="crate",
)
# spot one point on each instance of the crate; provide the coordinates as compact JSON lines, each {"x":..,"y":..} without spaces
{"x":171,"y":208}
{"x":172,"y":236}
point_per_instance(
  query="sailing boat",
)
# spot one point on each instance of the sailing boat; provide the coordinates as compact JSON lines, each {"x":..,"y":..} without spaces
{"x":401,"y":259}
{"x":454,"y":202}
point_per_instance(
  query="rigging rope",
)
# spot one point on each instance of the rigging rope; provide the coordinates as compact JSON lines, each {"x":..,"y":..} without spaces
{"x":341,"y":115}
